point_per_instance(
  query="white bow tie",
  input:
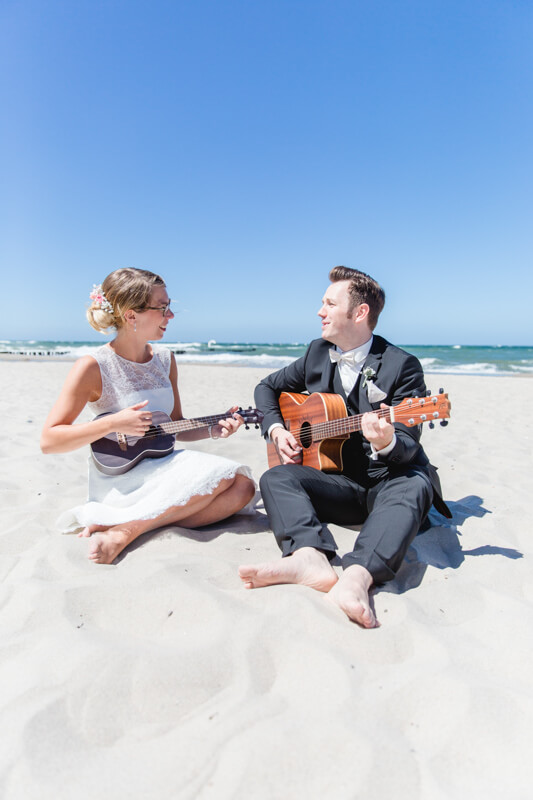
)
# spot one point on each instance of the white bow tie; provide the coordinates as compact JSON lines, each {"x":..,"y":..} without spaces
{"x":344,"y":358}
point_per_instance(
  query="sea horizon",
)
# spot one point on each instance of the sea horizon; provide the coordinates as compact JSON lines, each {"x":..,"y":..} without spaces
{"x":489,"y":360}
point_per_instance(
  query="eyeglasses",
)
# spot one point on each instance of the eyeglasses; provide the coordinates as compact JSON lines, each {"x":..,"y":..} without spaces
{"x":165,"y":310}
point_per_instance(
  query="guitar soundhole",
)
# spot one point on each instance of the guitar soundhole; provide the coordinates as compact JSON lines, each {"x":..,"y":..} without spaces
{"x":306,"y":435}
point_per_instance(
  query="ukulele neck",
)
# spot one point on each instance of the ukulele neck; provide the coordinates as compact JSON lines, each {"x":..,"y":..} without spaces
{"x":182,"y":425}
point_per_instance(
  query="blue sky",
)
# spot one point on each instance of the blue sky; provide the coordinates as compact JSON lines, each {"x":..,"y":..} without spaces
{"x":241,"y":149}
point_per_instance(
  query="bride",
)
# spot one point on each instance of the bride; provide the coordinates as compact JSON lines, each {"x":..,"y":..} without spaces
{"x":131,"y":378}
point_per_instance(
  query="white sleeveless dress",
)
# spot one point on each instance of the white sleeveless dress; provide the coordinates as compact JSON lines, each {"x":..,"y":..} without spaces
{"x":154,"y":484}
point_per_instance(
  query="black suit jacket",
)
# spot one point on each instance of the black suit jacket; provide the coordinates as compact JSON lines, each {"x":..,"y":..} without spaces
{"x":398,"y":374}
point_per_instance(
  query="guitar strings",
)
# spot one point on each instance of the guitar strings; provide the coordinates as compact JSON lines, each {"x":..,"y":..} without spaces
{"x":334,"y":427}
{"x":330,"y":430}
{"x":347,"y":425}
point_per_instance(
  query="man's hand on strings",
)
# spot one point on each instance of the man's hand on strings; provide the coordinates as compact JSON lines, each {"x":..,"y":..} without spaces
{"x":288,"y":448}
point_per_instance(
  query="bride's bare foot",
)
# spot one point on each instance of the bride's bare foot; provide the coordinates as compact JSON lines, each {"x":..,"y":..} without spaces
{"x":350,"y":594}
{"x":108,"y":543}
{"x":90,"y":529}
{"x":306,"y":566}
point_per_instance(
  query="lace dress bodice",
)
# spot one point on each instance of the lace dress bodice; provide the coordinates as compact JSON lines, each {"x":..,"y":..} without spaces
{"x":125,"y":383}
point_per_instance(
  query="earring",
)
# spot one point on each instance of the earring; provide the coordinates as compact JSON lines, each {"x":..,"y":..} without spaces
{"x":135,"y":326}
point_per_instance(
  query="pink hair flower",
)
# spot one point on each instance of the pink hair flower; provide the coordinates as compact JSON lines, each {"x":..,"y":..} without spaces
{"x":99,"y":299}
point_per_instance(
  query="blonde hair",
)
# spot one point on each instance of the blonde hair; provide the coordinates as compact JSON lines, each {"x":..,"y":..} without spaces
{"x":125,"y":290}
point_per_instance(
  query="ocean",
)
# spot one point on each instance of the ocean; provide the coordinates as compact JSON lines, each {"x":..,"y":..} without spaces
{"x":455,"y":359}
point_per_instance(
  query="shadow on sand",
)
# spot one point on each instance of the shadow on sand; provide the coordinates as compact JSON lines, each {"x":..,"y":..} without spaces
{"x":439,"y":546}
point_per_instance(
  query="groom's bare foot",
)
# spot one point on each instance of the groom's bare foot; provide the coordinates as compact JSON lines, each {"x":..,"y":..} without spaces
{"x":306,"y":566}
{"x":350,"y":594}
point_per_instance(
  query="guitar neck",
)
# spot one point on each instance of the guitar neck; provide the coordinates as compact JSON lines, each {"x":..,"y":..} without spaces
{"x":340,"y":427}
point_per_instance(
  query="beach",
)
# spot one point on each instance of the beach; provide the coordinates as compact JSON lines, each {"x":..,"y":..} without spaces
{"x":161,"y":677}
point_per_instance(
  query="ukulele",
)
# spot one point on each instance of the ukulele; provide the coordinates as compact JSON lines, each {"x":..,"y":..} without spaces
{"x":320,"y":424}
{"x":117,"y":453}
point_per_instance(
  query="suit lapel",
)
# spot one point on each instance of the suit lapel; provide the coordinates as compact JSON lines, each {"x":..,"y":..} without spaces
{"x":337,"y":383}
{"x":372,"y":361}
{"x":330,"y":375}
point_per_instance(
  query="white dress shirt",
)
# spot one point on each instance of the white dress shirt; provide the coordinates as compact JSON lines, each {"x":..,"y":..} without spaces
{"x":350,"y":369}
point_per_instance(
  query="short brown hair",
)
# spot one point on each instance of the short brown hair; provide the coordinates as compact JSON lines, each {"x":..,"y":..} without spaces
{"x":362,"y":289}
{"x":125,"y":289}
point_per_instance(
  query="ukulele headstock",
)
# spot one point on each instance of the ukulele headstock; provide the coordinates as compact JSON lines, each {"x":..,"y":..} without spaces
{"x":251,"y":416}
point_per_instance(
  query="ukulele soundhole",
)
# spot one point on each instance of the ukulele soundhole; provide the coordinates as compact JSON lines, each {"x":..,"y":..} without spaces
{"x":154,"y":430}
{"x":306,"y":435}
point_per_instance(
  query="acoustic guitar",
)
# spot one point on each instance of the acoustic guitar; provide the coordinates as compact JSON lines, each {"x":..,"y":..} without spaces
{"x":320,"y":424}
{"x":117,"y":453}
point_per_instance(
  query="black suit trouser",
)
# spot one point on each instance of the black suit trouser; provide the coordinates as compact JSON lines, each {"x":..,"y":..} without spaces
{"x":301,"y":500}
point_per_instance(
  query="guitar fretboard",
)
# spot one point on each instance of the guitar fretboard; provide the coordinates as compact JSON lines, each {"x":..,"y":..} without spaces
{"x":334,"y":427}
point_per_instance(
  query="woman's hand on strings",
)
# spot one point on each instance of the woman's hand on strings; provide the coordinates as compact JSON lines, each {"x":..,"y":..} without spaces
{"x":132,"y":421}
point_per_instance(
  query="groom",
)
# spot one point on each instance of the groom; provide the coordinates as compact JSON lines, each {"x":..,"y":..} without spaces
{"x":387,"y":482}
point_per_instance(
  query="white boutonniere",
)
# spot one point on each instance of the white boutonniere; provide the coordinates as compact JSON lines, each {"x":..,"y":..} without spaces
{"x":374,"y":393}
{"x":368,"y":374}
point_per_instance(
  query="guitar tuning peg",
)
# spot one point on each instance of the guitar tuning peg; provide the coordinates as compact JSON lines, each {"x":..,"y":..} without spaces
{"x":431,"y":425}
{"x":443,"y":423}
{"x":441,"y":390}
{"x":428,"y":392}
{"x":256,"y":426}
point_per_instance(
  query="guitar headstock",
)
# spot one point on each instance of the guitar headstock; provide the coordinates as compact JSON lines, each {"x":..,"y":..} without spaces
{"x":251,"y":416}
{"x":415,"y":410}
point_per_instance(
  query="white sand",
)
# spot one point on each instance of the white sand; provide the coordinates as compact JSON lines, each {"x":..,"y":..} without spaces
{"x":160,"y":677}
